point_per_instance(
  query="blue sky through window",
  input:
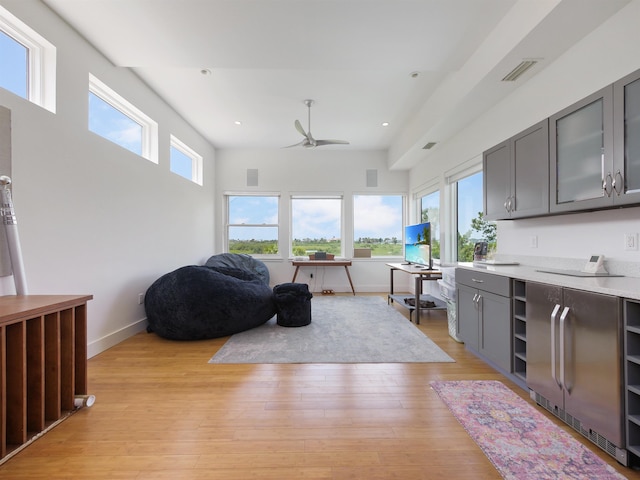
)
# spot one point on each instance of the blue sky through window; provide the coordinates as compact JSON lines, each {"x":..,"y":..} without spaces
{"x":377,"y":216}
{"x":249,"y":209}
{"x":469,"y":201}
{"x":13,"y":65}
{"x":181,"y":163}
{"x":253,"y":210}
{"x":110,"y":123}
{"x":316,"y":218}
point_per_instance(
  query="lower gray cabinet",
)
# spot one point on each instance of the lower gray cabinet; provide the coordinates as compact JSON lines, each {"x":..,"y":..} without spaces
{"x":484,"y":315}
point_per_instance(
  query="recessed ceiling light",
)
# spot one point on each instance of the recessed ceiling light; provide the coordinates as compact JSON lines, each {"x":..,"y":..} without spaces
{"x":385,"y":124}
{"x":238,"y":122}
{"x":205,"y":71}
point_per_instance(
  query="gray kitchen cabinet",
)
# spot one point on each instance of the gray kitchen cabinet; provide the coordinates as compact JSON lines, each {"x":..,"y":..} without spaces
{"x":581,"y":154}
{"x":468,"y":324}
{"x":624,"y":184}
{"x":496,"y":175}
{"x":516,"y":175}
{"x":574,"y":366}
{"x":484,"y":315}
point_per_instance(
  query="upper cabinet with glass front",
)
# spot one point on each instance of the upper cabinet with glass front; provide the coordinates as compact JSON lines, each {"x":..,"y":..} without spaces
{"x":593,"y":159}
{"x":625,"y":183}
{"x":581,"y":154}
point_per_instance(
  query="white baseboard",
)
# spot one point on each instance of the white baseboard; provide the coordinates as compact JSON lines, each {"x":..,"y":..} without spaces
{"x":108,"y":341}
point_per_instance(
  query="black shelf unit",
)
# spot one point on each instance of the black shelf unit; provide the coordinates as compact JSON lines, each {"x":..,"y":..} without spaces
{"x":519,"y":366}
{"x":632,"y":377}
{"x":400,"y":300}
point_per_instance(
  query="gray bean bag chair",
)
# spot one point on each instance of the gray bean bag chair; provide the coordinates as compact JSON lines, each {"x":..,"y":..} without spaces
{"x":201,"y":302}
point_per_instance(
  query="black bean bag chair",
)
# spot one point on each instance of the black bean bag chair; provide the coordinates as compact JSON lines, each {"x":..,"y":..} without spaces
{"x":242,"y":262}
{"x":200,"y":302}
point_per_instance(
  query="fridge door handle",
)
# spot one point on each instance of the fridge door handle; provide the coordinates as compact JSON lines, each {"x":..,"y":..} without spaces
{"x":563,"y":317}
{"x":554,"y":314}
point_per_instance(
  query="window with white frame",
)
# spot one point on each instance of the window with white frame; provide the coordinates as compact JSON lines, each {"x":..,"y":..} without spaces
{"x":316,"y":225}
{"x":377,"y":224}
{"x":468,"y":200}
{"x":252,"y":224}
{"x":185,"y":161}
{"x":430,"y":212}
{"x":27,"y":62}
{"x":117,"y":120}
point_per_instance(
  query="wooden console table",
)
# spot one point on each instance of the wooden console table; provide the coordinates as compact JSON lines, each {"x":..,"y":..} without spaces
{"x":420,"y":274}
{"x":323,"y":263}
{"x":43,"y":363}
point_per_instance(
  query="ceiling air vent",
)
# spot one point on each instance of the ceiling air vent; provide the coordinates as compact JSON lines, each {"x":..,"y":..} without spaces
{"x":514,"y":74}
{"x":429,"y":146}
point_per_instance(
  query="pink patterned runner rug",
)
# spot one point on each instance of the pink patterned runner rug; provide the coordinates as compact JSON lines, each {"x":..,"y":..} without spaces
{"x":520,"y":441}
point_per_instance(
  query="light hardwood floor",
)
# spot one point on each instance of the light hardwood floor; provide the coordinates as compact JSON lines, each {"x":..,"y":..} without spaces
{"x":163,"y":412}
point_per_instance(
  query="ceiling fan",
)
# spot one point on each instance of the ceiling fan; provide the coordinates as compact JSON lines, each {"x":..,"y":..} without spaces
{"x":309,"y":141}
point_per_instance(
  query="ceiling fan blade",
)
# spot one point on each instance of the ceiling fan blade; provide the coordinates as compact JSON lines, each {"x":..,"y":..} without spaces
{"x":300,"y":129}
{"x":319,"y":143}
{"x":299,"y":144}
{"x":309,"y":141}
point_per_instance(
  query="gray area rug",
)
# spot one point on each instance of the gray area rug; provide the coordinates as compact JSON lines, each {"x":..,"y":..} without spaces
{"x":342,"y":330}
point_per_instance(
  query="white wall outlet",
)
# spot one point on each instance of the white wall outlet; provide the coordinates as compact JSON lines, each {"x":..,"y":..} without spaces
{"x":140,"y":298}
{"x":631,"y":241}
{"x":533,"y":241}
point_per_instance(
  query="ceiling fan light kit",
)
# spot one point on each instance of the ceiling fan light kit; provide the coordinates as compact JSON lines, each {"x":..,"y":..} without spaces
{"x":309,"y":141}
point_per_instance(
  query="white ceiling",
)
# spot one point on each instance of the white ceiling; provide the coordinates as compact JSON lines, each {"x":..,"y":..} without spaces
{"x":353,"y":57}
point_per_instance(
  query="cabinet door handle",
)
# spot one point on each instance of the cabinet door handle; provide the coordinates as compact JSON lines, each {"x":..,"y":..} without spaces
{"x":563,"y":317}
{"x":477,"y":281}
{"x":506,"y":204}
{"x":554,"y":314}
{"x":617,"y":186}
{"x":480,"y":322}
{"x":608,"y":180}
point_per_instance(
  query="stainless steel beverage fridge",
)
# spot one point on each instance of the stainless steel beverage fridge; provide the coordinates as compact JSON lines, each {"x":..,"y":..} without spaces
{"x":574,"y":361}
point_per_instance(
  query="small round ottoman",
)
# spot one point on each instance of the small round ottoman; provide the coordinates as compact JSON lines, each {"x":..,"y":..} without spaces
{"x":293,"y":303}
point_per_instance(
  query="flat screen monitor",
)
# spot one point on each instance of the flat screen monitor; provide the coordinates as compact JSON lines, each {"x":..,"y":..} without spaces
{"x":417,"y":244}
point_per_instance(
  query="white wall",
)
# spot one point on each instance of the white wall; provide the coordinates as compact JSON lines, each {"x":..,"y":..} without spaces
{"x":291,"y":171}
{"x":96,"y":219}
{"x":93,"y":217}
{"x":604,"y":56}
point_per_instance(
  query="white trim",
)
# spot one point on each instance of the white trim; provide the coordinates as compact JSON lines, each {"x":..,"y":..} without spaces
{"x":403,"y":197}
{"x":120,"y":335}
{"x":319,"y":196}
{"x":197,"y":163}
{"x":426,"y":188}
{"x":41,"y":83}
{"x":234,"y":193}
{"x":149,"y":126}
{"x":228,"y":224}
{"x":465,"y":169}
{"x":343,"y":211}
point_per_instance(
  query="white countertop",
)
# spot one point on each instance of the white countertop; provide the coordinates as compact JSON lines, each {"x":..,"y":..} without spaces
{"x":626,"y":287}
